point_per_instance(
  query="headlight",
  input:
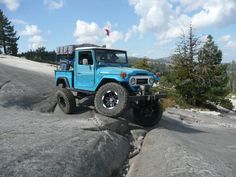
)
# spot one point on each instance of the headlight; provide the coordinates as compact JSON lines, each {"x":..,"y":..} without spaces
{"x":151,"y":80}
{"x":132,"y":81}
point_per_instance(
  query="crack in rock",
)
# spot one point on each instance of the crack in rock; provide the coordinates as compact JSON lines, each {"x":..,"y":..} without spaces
{"x":2,"y":85}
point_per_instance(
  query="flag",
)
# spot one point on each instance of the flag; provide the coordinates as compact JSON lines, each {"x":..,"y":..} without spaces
{"x":107,"y":31}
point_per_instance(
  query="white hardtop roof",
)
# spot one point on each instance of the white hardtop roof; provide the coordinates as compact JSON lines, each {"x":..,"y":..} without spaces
{"x":90,"y":48}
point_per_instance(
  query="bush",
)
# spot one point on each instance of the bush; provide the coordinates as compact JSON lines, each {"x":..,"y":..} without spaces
{"x":41,"y":55}
{"x":226,"y":103}
{"x":173,"y":99}
{"x":168,"y":102}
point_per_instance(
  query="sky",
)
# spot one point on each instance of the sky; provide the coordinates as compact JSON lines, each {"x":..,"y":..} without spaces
{"x":145,"y":28}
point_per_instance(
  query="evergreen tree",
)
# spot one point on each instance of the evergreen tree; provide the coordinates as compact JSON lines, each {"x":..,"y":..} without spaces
{"x":184,"y":67}
{"x":8,"y":38}
{"x":142,"y":64}
{"x":1,"y":30}
{"x":232,"y":76}
{"x":41,"y":55}
{"x":159,"y":67}
{"x":212,"y":73}
{"x":198,"y":73}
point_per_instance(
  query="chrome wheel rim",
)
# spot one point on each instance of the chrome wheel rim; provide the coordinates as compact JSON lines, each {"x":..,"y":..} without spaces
{"x":110,"y":99}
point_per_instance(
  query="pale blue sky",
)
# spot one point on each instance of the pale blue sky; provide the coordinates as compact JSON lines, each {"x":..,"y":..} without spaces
{"x":142,"y":27}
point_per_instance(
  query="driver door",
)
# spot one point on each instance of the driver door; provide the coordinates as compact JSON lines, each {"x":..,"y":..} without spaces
{"x":85,"y":71}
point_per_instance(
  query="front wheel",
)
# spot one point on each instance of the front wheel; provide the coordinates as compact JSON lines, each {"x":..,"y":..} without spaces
{"x":111,"y":99}
{"x":148,"y":115}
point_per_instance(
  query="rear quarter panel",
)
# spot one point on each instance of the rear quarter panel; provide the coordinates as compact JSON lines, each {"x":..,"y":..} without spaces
{"x":64,"y":74}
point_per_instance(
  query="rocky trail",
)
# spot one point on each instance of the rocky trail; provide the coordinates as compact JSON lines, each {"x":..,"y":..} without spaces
{"x":37,"y":139}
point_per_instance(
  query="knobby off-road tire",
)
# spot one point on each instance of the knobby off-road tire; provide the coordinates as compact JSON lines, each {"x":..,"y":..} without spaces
{"x":148,"y":115}
{"x":66,"y":100}
{"x":111,"y":99}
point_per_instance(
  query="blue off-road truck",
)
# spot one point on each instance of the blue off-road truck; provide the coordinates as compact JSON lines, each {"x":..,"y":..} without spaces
{"x":87,"y":70}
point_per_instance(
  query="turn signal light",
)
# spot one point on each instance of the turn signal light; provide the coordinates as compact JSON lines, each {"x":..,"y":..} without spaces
{"x":123,"y":75}
{"x":158,"y":74}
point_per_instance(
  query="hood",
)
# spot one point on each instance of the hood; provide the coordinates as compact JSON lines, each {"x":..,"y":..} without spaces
{"x":118,"y":70}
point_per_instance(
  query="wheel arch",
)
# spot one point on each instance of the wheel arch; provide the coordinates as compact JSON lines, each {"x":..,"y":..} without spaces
{"x":64,"y":81}
{"x":107,"y":80}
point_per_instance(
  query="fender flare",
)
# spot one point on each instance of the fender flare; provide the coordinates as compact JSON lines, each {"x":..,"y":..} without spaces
{"x":64,"y":81}
{"x":112,"y":79}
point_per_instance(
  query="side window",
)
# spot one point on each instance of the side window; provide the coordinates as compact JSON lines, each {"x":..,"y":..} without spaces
{"x":85,"y":58}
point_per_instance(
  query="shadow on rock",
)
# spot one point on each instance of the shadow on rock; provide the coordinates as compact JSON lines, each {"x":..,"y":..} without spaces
{"x":118,"y":125}
{"x":175,"y":125}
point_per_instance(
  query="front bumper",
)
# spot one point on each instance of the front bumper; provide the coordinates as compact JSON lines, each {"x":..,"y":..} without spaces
{"x":153,"y":97}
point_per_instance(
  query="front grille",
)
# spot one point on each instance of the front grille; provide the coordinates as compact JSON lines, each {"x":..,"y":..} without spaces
{"x":141,"y":81}
{"x":141,"y":74}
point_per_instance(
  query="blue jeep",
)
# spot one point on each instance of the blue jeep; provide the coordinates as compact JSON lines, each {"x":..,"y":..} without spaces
{"x":87,"y":70}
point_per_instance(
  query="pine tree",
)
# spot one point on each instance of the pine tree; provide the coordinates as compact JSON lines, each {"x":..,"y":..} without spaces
{"x":8,"y":38}
{"x":213,"y":74}
{"x":184,"y":67}
{"x":232,"y":76}
{"x":41,"y":55}
{"x":142,"y":64}
{"x":198,"y":73}
{"x":1,"y":29}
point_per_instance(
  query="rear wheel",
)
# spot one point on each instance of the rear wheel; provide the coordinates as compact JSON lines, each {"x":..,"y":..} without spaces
{"x":111,"y":99}
{"x":66,"y":100}
{"x":148,"y":115}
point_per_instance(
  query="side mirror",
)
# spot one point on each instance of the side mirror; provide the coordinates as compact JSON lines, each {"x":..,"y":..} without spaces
{"x":85,"y":61}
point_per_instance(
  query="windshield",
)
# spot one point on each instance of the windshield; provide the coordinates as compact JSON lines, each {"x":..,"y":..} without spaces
{"x":111,"y":56}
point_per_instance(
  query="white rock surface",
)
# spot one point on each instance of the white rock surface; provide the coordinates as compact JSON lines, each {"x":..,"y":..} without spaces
{"x":29,"y":65}
{"x":188,"y":144}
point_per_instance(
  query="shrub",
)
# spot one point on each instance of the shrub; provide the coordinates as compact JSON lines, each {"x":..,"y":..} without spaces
{"x":168,"y":102}
{"x":226,"y":103}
